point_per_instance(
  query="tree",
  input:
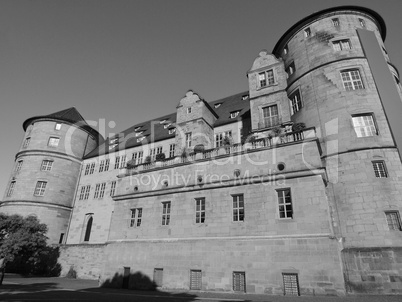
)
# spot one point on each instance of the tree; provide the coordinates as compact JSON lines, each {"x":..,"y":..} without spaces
{"x":23,"y":240}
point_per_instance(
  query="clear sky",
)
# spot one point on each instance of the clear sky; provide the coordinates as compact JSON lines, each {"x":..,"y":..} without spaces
{"x":130,"y":61}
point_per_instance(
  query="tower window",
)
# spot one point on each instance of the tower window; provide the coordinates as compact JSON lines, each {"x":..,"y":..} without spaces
{"x":285,"y":203}
{"x":266,"y":78}
{"x":362,"y":23}
{"x":364,"y":125}
{"x":335,"y":22}
{"x":26,"y":142}
{"x":295,"y":101}
{"x":18,"y":166}
{"x":393,"y":220}
{"x":11,"y":189}
{"x":40,"y":188}
{"x":53,"y":142}
{"x":380,"y":170}
{"x":46,"y":165}
{"x":57,"y":126}
{"x":307,"y":32}
{"x":286,"y":50}
{"x":341,"y":44}
{"x":351,"y":79}
{"x":291,"y":69}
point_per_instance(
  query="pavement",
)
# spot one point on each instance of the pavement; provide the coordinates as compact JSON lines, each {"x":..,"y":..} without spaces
{"x":17,"y":288}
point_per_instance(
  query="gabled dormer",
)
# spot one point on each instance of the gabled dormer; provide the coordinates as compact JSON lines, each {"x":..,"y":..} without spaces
{"x":269,"y":104}
{"x":194,"y":122}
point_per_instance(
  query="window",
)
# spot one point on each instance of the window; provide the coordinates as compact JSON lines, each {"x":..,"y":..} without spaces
{"x":111,"y":147}
{"x":57,"y":126}
{"x":136,"y":216}
{"x":123,"y":162}
{"x":137,"y":128}
{"x":172,"y":149}
{"x":87,"y":169}
{"x":291,"y":69}
{"x":139,"y":133}
{"x":270,"y":116}
{"x":239,"y":282}
{"x":26,"y":142}
{"x":188,"y":110}
{"x":97,"y":187}
{"x":140,"y":139}
{"x":112,"y":188}
{"x":140,"y":157}
{"x":286,"y":50}
{"x":153,"y":152}
{"x":18,"y":166}
{"x":200,"y":210}
{"x":167,"y":125}
{"x":91,"y":171}
{"x":172,"y":130}
{"x":82,"y":193}
{"x":362,"y":23}
{"x":393,"y":220}
{"x":335,"y":22}
{"x":162,"y":121}
{"x":217,"y":105}
{"x":285,"y":204}
{"x":341,"y":44}
{"x":40,"y":188}
{"x":220,"y":138}
{"x":61,"y":238}
{"x":107,"y":163}
{"x":364,"y":125}
{"x":53,"y":142}
{"x":351,"y":79}
{"x":11,"y":189}
{"x":158,"y":276}
{"x":295,"y":102}
{"x":380,"y":170}
{"x":307,"y":32}
{"x":290,"y":284}
{"x":87,"y":190}
{"x":266,"y":78}
{"x":89,"y":220}
{"x":166,"y":213}
{"x":195,"y":279}
{"x":46,"y":165}
{"x":102,"y":190}
{"x":117,"y":162}
{"x":238,"y":207}
{"x":234,"y":114}
{"x":101,"y":165}
{"x":188,"y":139}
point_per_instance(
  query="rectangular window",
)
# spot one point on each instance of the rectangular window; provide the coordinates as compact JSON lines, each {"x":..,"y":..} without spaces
{"x":364,"y":125}
{"x":53,"y":141}
{"x":220,"y":138}
{"x":96,"y":194}
{"x":40,"y":188}
{"x":107,"y":162}
{"x":234,"y":114}
{"x":335,"y":22}
{"x":155,"y":151}
{"x":140,"y":157}
{"x":26,"y":142}
{"x":102,"y":190}
{"x":11,"y":189}
{"x":266,"y":78}
{"x":188,"y":110}
{"x":91,"y":171}
{"x":341,"y":45}
{"x":239,"y":282}
{"x":285,"y":203}
{"x":136,"y":217}
{"x":196,"y":279}
{"x":172,"y":149}
{"x":117,"y":162}
{"x":291,"y":284}
{"x":166,"y":213}
{"x":380,"y":170}
{"x":393,"y":220}
{"x":238,"y":207}
{"x":87,"y":169}
{"x":158,"y":276}
{"x":291,"y":69}
{"x":200,"y":210}
{"x":112,"y":188}
{"x":18,"y":166}
{"x":61,"y":238}
{"x":172,"y":130}
{"x":270,"y":116}
{"x":307,"y":32}
{"x":46,"y":165}
{"x":123,"y":162}
{"x":101,"y":165}
{"x":82,"y":193}
{"x":295,"y":101}
{"x":362,"y":23}
{"x":351,"y":79}
{"x":57,"y":126}
{"x":188,"y":139}
{"x":87,"y":190}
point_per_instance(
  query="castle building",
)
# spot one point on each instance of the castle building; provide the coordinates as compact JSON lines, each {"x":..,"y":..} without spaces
{"x":292,"y":187}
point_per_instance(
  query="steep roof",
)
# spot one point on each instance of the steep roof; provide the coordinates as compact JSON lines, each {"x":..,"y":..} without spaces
{"x":70,"y":115}
{"x":154,"y":130}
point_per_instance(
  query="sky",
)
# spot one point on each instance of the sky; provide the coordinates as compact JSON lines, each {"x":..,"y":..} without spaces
{"x":123,"y":62}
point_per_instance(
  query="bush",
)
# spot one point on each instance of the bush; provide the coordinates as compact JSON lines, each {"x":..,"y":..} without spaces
{"x":148,"y":159}
{"x":160,"y":156}
{"x":199,"y":148}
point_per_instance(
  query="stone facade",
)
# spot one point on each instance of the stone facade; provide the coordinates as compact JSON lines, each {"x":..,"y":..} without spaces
{"x":295,"y":191}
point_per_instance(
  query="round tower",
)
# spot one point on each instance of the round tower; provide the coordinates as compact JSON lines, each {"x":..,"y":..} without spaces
{"x":333,"y":59}
{"x":47,"y":168}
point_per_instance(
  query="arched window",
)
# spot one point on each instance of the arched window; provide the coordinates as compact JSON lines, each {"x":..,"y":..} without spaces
{"x":88,"y":228}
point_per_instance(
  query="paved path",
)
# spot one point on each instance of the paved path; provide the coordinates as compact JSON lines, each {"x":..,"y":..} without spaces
{"x":15,"y":288}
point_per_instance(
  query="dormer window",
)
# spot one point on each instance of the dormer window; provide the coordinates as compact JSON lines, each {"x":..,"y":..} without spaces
{"x":188,"y":110}
{"x":244,"y":97}
{"x":217,"y":105}
{"x":162,"y":121}
{"x":266,"y":78}
{"x":111,"y":147}
{"x":137,"y":128}
{"x":140,"y":139}
{"x":234,"y":114}
{"x":138,"y":133}
{"x":166,"y":125}
{"x":113,"y":141}
{"x":172,"y":130}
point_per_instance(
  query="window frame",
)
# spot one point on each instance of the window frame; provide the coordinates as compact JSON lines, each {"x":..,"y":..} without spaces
{"x":113,"y":186}
{"x":281,"y":197}
{"x":397,"y":220}
{"x":341,"y":43}
{"x":135,"y":217}
{"x":368,"y":127}
{"x":40,"y":188}
{"x":242,"y":275}
{"x":92,"y":168}
{"x":266,"y":78}
{"x":46,"y":165}
{"x":295,"y":106}
{"x":172,"y":150}
{"x":378,"y":172}
{"x":53,"y":142}
{"x":200,"y":210}
{"x":57,"y":126}
{"x":11,"y":188}
{"x":237,"y":199}
{"x":96,"y":193}
{"x":188,"y":139}
{"x":350,"y":84}
{"x":87,"y":192}
{"x":166,"y":212}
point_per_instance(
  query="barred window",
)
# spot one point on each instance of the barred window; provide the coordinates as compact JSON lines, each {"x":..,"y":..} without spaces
{"x":166,"y":213}
{"x":238,"y":207}
{"x":46,"y":165}
{"x":380,"y":170}
{"x":200,"y":210}
{"x":239,"y":281}
{"x":195,"y":279}
{"x":351,"y":79}
{"x":364,"y":125}
{"x":136,"y":217}
{"x":285,"y":203}
{"x":40,"y":188}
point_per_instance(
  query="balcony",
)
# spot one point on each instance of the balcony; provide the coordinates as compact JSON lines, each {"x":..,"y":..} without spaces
{"x":269,"y":122}
{"x":262,"y":143}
